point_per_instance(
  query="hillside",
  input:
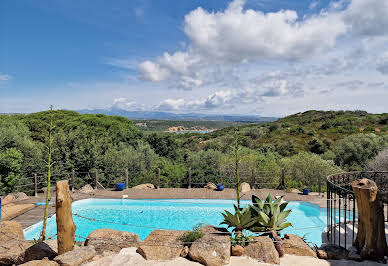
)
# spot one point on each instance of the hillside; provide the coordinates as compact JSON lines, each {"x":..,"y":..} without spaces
{"x":315,"y":131}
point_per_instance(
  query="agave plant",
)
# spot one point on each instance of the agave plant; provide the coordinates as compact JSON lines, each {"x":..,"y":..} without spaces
{"x":240,"y":220}
{"x":269,"y":215}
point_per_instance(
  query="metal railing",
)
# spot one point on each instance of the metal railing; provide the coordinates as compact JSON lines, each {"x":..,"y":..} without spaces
{"x":342,"y":207}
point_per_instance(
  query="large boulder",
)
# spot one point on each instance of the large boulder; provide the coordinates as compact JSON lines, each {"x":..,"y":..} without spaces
{"x":111,"y":240}
{"x":38,"y":251}
{"x":245,"y":187}
{"x":332,"y":252}
{"x":162,"y":245}
{"x":76,"y":256}
{"x":144,"y":186}
{"x":294,"y":245}
{"x":211,"y":186}
{"x":14,"y":197}
{"x":9,"y":230}
{"x":86,"y":189}
{"x":213,"y":249}
{"x":44,"y":262}
{"x":12,"y":251}
{"x":262,"y":249}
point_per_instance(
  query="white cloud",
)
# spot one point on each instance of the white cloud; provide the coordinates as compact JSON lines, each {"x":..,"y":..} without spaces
{"x":313,"y":5}
{"x":153,"y":71}
{"x":126,"y":104}
{"x":4,"y":77}
{"x":382,"y":65}
{"x":367,"y":17}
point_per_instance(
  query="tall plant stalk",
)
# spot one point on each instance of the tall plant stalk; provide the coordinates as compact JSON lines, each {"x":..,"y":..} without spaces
{"x":48,"y":164}
{"x":237,"y":173}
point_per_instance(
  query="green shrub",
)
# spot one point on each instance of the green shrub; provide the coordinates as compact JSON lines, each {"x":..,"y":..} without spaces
{"x":302,"y":170}
{"x":189,"y":237}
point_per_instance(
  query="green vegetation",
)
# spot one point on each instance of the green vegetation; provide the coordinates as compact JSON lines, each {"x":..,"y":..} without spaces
{"x":306,"y":145}
{"x":241,"y":240}
{"x":267,"y":217}
{"x":189,"y":237}
{"x":164,"y":125}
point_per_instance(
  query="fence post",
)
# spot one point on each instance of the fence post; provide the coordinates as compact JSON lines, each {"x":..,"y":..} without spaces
{"x":126,"y":178}
{"x":158,"y":178}
{"x":36,"y":184}
{"x":282,"y":183}
{"x":253,"y":179}
{"x":72,"y":179}
{"x":189,"y":185}
{"x":319,"y":184}
{"x":96,"y":179}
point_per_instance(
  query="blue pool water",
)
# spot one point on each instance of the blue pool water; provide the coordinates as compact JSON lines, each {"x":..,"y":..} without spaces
{"x":179,"y":214}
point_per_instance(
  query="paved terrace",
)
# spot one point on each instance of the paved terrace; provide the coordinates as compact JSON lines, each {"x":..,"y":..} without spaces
{"x":34,"y":215}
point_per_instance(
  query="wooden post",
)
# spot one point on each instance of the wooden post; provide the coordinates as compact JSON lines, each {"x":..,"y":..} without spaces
{"x":319,"y":184}
{"x":253,"y":179}
{"x":282,"y":183}
{"x":189,"y":181}
{"x":96,"y":179}
{"x":370,"y":240}
{"x":126,"y":178}
{"x":158,"y":178}
{"x":65,"y":225}
{"x":36,"y":184}
{"x":72,"y":180}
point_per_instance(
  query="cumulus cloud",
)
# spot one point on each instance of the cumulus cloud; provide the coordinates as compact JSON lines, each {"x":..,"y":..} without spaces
{"x":367,"y":17}
{"x":126,"y":104}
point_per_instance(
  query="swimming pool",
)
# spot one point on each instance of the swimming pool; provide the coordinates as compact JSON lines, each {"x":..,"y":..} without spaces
{"x":143,"y":216}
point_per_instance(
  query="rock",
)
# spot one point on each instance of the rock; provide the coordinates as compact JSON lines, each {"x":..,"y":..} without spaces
{"x":213,"y":248}
{"x":262,"y":249}
{"x":185,"y":251}
{"x":211,"y":186}
{"x":245,"y":187}
{"x":144,"y":186}
{"x":12,"y":251}
{"x":14,"y":197}
{"x":294,"y":245}
{"x":8,"y":199}
{"x":86,"y":189}
{"x":237,"y":250}
{"x":354,"y":256}
{"x":161,"y":245}
{"x":40,"y":263}
{"x":334,"y":252}
{"x":76,"y":257}
{"x":21,"y":196}
{"x":322,"y":254}
{"x":9,"y":230}
{"x":111,"y":240}
{"x":210,"y":229}
{"x":37,"y":252}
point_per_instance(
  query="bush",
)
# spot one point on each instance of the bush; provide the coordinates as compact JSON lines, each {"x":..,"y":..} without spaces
{"x":380,"y":162}
{"x":355,"y":151}
{"x":189,"y":237}
{"x":302,"y":170}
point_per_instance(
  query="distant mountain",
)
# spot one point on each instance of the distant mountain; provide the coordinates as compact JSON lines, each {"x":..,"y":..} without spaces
{"x":150,"y":115}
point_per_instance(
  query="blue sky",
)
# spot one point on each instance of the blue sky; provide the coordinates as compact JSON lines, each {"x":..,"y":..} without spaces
{"x":266,"y":57}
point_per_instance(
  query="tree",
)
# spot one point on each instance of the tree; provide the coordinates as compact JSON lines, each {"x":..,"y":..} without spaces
{"x":355,"y":151}
{"x":380,"y":162}
{"x":10,"y":168}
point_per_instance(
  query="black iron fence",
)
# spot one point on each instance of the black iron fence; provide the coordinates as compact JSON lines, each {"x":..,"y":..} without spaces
{"x":342,"y":207}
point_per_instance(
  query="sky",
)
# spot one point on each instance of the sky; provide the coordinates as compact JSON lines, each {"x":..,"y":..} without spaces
{"x":254,"y":57}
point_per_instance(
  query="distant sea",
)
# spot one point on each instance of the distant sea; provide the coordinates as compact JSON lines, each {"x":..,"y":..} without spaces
{"x":194,"y":131}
